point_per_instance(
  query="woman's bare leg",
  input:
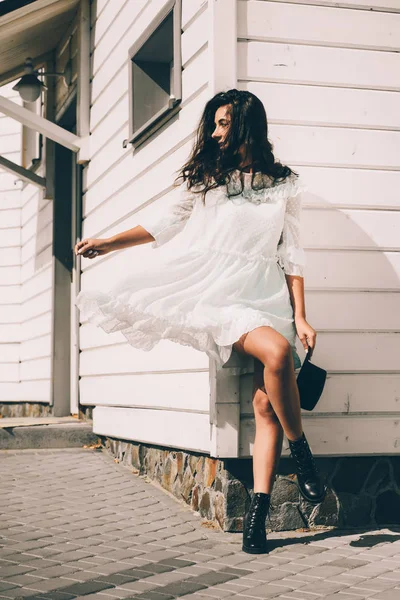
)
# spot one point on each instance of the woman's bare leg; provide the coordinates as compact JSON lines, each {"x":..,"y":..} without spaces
{"x":273,"y":350}
{"x":269,"y":436}
{"x":275,"y":354}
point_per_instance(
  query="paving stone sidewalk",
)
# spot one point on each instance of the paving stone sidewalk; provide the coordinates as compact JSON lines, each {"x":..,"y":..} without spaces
{"x":76,"y":525}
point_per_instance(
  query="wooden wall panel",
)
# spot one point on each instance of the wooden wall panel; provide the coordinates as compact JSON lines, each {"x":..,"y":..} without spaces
{"x":118,"y":185}
{"x":339,"y":129}
{"x":10,"y":252}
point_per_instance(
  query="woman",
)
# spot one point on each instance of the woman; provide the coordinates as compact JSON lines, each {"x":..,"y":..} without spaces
{"x":233,"y":282}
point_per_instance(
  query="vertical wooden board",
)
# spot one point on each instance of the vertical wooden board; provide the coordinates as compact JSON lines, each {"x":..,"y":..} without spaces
{"x":352,"y":270}
{"x":352,"y":229}
{"x":166,"y":428}
{"x":324,"y":105}
{"x":343,"y":394}
{"x":9,"y":294}
{"x":358,"y":351}
{"x":34,"y":265}
{"x":39,"y":219}
{"x":9,"y":353}
{"x":10,"y":237}
{"x":10,"y":275}
{"x":10,"y":257}
{"x":318,"y":145}
{"x":38,"y":347}
{"x":10,"y":333}
{"x":10,"y":197}
{"x":38,"y":244}
{"x":10,"y":143}
{"x":339,"y":436}
{"x":312,"y":24}
{"x":9,"y":218}
{"x":341,"y":187}
{"x":190,"y":8}
{"x":9,"y":372}
{"x":38,"y":283}
{"x":37,"y":305}
{"x":172,"y":391}
{"x":123,"y":358}
{"x":139,"y":189}
{"x":316,"y":65}
{"x":32,"y":391}
{"x":331,"y":310}
{"x":35,"y":369}
{"x":37,"y":326}
{"x":374,"y":5}
{"x":11,"y":312}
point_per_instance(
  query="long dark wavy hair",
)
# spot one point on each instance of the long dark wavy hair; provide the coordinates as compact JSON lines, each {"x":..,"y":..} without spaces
{"x":209,"y":166}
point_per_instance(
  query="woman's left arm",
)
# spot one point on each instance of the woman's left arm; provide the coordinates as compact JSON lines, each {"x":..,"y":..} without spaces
{"x":292,"y":260}
{"x":306,"y":333}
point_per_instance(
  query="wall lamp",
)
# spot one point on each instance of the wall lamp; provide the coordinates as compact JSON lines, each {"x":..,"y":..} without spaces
{"x":30,"y":87}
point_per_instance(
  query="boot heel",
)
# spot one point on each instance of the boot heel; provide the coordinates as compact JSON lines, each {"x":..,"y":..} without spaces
{"x":254,"y":534}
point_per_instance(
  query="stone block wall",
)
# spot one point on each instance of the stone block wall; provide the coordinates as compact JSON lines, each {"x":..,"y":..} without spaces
{"x":24,"y":409}
{"x":362,"y":491}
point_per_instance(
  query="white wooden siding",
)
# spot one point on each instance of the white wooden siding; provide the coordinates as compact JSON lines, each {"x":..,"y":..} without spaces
{"x":339,"y":128}
{"x":10,"y":256}
{"x":67,"y":49}
{"x":170,"y":383}
{"x":36,"y":295}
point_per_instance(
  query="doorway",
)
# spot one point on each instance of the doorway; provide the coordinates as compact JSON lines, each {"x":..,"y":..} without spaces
{"x":66,"y":230}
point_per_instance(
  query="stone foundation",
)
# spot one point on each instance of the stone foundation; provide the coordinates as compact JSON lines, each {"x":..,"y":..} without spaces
{"x":86,"y":413}
{"x":362,"y":491}
{"x":24,"y":409}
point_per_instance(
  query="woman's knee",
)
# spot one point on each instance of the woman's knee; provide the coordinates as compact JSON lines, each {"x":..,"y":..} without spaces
{"x":262,"y":405}
{"x":279,"y":359}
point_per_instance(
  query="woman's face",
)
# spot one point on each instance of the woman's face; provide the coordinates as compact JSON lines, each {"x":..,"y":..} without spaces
{"x":222,"y":122}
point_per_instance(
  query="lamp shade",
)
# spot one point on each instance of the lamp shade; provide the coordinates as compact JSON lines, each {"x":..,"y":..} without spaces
{"x":29,"y":87}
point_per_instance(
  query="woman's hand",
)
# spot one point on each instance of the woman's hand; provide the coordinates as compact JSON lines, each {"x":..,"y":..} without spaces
{"x":306,"y":333}
{"x":90,"y":248}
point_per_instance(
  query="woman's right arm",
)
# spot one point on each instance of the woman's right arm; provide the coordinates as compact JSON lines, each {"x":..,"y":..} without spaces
{"x":158,"y":230}
{"x":91,"y":247}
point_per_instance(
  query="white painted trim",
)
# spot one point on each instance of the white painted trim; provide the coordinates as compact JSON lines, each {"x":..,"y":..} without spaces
{"x":22,"y":173}
{"x":42,"y":125}
{"x":223,"y":45}
{"x":224,"y":411}
{"x":224,"y":386}
{"x":83,"y":100}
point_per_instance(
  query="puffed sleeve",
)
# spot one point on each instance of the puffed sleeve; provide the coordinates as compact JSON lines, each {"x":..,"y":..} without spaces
{"x":291,"y":256}
{"x":171,"y":220}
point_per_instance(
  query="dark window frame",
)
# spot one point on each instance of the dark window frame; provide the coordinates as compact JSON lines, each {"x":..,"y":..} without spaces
{"x":173,"y":105}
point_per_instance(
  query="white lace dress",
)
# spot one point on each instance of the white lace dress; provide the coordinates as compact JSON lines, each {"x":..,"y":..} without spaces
{"x":224,"y":276}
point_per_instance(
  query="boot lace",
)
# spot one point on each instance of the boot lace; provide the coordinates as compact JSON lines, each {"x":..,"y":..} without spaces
{"x":304,"y":460}
{"x":256,"y":517}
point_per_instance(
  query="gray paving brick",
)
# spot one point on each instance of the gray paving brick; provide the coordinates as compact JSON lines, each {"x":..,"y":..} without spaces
{"x":325,"y":571}
{"x":14,"y":569}
{"x":7,"y":585}
{"x":149,"y":536}
{"x":46,"y":585}
{"x":341,"y":596}
{"x":55,"y":571}
{"x":388,"y":595}
{"x":270,"y":591}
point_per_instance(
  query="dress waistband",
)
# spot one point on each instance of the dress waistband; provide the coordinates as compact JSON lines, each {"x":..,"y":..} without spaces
{"x":242,"y":255}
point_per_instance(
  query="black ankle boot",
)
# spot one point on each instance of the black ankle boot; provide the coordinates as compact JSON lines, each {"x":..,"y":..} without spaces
{"x":309,"y":481}
{"x":254,"y":535}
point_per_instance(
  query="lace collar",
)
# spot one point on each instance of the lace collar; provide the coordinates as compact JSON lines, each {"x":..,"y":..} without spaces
{"x":263,"y":189}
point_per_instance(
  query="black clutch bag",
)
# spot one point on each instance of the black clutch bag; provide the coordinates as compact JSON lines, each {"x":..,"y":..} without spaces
{"x":310,"y":382}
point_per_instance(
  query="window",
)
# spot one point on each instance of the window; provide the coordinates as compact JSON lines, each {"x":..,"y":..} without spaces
{"x":156,"y":74}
